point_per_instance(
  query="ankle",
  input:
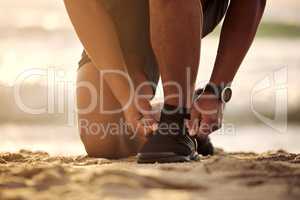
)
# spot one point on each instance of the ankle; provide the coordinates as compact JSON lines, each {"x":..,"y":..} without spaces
{"x":171,"y":113}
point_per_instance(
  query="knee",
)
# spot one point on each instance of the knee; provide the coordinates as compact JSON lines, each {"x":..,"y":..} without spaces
{"x":97,"y":146}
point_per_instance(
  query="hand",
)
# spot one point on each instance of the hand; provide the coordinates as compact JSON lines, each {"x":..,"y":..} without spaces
{"x":206,"y":115}
{"x":140,"y":118}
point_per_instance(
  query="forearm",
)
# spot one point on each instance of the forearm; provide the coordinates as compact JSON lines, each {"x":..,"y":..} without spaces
{"x":97,"y":33}
{"x":238,"y":31}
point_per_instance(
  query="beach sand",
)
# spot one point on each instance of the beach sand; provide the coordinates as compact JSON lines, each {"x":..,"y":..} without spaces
{"x":37,"y":175}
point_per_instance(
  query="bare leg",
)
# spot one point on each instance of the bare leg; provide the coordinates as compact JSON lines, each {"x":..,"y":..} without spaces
{"x":97,"y":30}
{"x":97,"y":128}
{"x":176,"y":27}
{"x":176,"y":35}
{"x":98,"y":143}
{"x":107,"y":142}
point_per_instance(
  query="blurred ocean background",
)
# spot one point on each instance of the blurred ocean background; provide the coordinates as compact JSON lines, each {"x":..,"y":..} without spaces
{"x":35,"y":34}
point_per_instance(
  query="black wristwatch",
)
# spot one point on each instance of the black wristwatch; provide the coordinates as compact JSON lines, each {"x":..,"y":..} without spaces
{"x":223,"y":92}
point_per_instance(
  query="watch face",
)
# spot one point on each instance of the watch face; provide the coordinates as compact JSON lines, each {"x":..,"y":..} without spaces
{"x":226,"y":94}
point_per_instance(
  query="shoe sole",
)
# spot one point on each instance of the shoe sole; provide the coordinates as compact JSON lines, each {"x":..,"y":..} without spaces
{"x":165,"y":157}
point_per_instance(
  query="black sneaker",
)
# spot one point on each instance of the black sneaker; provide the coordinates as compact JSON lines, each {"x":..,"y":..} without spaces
{"x":205,"y":147}
{"x":171,"y":142}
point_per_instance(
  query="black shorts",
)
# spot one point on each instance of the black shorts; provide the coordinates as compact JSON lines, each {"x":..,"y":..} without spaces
{"x":131,"y":18}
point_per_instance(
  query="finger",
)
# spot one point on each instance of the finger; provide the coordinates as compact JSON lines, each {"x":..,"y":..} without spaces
{"x":142,"y":130}
{"x":138,"y":128}
{"x":147,"y":125}
{"x":194,"y":123}
{"x":208,"y":125}
{"x":150,"y":122}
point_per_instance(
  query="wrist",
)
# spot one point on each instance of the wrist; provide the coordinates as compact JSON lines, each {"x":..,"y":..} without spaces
{"x":221,"y":92}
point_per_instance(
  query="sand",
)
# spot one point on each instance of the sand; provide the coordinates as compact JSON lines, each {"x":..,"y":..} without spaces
{"x":37,"y":175}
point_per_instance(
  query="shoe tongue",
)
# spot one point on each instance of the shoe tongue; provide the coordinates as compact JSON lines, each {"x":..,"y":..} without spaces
{"x":174,"y":116}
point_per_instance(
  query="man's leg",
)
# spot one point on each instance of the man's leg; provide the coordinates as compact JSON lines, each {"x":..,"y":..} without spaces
{"x":98,"y":129}
{"x":176,"y":29}
{"x":101,"y":132}
{"x":94,"y":126}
